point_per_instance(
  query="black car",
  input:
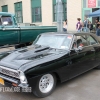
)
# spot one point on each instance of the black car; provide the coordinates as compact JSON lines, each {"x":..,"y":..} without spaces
{"x":52,"y":57}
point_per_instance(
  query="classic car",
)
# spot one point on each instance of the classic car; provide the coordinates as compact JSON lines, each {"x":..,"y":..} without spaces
{"x":51,"y":58}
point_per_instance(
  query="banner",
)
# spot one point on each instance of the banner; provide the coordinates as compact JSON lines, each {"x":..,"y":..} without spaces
{"x":91,"y":3}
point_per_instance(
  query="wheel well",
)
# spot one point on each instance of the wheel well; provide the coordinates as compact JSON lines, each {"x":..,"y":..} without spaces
{"x":57,"y":76}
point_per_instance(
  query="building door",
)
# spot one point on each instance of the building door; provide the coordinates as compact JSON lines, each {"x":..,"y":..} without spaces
{"x":86,"y":12}
{"x":93,"y":18}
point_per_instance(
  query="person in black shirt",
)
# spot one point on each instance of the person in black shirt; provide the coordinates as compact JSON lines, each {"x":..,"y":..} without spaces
{"x":96,"y":23}
{"x":98,"y":30}
{"x":90,"y":26}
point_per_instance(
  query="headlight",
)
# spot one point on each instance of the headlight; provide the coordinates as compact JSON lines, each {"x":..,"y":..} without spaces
{"x":22,"y":77}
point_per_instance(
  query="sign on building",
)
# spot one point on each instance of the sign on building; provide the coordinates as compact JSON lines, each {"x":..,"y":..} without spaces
{"x":91,"y":3}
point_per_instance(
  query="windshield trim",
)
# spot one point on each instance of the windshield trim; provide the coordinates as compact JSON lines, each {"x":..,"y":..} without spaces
{"x":65,"y":37}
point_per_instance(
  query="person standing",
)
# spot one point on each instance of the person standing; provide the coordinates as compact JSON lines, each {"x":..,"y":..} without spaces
{"x":90,"y":26}
{"x":96,"y":25}
{"x":65,"y":26}
{"x":85,"y":23}
{"x":78,"y":25}
{"x":98,"y":30}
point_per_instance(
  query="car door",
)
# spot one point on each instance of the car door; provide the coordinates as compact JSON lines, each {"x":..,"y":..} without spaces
{"x":82,"y":59}
{"x":94,"y":42}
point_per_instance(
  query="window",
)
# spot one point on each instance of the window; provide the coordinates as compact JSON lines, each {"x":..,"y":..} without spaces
{"x":5,"y":8}
{"x":18,"y":12}
{"x":7,"y":20}
{"x":0,"y":22}
{"x":84,"y":3}
{"x":36,"y":10}
{"x":98,"y":2}
{"x":36,"y":14}
{"x":64,"y":10}
{"x":55,"y":13}
{"x":55,"y":10}
{"x":91,"y":40}
{"x":87,"y":12}
{"x":80,"y":41}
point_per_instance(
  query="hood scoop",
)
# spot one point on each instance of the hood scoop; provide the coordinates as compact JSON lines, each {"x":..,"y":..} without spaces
{"x":33,"y":53}
{"x":42,"y":49}
{"x":38,"y":56}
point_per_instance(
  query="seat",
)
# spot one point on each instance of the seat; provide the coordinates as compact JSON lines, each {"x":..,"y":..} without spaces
{"x":79,"y":41}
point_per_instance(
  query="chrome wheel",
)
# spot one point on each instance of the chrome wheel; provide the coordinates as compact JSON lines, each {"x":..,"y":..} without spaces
{"x":46,"y":83}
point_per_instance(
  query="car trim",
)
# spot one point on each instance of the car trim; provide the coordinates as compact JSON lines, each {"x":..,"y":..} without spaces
{"x":8,"y":69}
{"x":9,"y":79}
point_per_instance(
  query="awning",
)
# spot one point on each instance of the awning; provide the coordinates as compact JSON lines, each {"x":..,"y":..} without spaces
{"x":95,"y":13}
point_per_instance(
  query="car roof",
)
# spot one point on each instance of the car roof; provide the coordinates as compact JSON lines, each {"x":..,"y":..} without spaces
{"x":6,"y":14}
{"x":72,"y":33}
{"x":66,"y":33}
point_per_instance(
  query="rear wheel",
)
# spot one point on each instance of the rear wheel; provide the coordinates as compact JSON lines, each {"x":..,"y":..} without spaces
{"x":45,"y":85}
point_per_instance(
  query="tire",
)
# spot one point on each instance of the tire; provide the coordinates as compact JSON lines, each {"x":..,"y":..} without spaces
{"x":98,"y":67}
{"x":45,"y":85}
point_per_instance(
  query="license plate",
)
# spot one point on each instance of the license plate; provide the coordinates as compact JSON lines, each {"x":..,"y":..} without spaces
{"x":1,"y":81}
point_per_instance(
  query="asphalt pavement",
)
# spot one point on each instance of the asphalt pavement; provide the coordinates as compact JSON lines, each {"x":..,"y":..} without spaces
{"x":83,"y":87}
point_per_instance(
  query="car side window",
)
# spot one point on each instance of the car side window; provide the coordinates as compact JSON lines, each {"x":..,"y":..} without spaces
{"x":80,"y":41}
{"x":91,"y":40}
{"x":84,"y":40}
{"x":7,"y":20}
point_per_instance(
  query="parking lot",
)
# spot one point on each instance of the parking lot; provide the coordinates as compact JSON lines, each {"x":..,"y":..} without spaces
{"x":84,"y":87}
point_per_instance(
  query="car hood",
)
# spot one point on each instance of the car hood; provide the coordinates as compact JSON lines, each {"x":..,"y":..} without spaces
{"x":26,"y":58}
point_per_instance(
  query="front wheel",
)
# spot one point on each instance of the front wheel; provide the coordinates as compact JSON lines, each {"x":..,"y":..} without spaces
{"x":45,"y":85}
{"x":98,"y":67}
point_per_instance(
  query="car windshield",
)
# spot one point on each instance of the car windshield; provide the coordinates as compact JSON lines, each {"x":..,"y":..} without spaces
{"x":55,"y":41}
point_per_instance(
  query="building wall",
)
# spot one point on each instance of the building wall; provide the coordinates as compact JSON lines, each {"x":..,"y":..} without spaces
{"x":26,"y":4}
{"x":10,"y":4}
{"x":47,"y":12}
{"x":74,"y":11}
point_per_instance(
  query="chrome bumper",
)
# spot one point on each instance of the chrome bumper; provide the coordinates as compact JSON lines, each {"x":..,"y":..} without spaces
{"x":12,"y":80}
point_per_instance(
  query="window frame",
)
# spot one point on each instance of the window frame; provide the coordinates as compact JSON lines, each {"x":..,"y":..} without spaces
{"x":98,"y":3}
{"x":93,"y":39}
{"x":64,"y":2}
{"x":7,"y":17}
{"x":18,"y":8}
{"x":36,"y":4}
{"x":6,"y":7}
{"x":34,"y":14}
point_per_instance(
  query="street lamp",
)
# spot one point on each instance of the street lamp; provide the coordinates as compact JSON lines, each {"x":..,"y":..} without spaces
{"x":59,"y":10}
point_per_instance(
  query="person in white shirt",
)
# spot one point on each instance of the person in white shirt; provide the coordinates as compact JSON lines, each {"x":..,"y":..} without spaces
{"x":65,"y":26}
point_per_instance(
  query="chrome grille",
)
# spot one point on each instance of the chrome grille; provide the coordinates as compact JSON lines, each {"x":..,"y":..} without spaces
{"x":9,"y":72}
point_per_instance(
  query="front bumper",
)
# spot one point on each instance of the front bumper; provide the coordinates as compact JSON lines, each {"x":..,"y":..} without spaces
{"x":10,"y":80}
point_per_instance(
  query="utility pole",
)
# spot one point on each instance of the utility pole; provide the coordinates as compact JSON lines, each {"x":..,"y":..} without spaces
{"x":59,"y":8}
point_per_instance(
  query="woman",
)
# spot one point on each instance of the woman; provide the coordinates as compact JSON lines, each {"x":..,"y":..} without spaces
{"x":78,"y":25}
{"x":65,"y":26}
{"x":90,"y":26}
